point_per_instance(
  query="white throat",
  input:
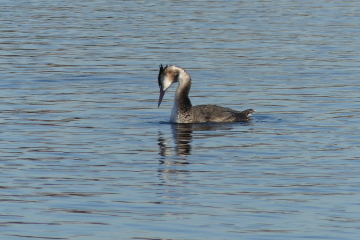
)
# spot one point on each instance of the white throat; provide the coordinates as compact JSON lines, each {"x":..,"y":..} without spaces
{"x":174,"y":112}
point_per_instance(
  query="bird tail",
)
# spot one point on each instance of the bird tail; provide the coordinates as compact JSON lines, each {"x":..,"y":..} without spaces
{"x":244,"y":116}
{"x":248,"y":112}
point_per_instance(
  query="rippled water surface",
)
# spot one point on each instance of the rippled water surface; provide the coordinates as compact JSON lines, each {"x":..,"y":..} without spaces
{"x":86,"y":153}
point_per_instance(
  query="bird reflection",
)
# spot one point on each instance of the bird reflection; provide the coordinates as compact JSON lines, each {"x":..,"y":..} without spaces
{"x":182,"y":137}
{"x":175,"y":153}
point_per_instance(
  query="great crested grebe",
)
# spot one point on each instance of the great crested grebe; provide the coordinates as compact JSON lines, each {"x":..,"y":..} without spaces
{"x":183,"y":111}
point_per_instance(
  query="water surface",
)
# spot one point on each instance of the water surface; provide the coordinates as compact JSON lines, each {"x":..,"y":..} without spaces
{"x":86,"y":153}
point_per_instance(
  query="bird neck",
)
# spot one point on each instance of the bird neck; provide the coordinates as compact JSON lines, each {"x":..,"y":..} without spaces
{"x":182,"y":104}
{"x":182,"y":93}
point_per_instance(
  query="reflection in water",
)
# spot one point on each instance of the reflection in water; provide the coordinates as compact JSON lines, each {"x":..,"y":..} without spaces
{"x":165,"y":150}
{"x":182,"y":136}
{"x":172,"y":171}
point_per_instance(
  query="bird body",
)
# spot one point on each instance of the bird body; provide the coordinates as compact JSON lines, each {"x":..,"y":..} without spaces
{"x":183,"y":111}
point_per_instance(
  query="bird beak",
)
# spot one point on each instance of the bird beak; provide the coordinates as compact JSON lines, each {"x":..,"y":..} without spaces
{"x":162,"y":93}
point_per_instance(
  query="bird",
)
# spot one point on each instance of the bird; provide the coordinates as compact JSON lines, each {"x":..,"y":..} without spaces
{"x":183,"y":111}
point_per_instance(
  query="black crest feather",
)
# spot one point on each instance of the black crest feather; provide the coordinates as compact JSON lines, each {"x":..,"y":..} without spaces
{"x":161,"y":71}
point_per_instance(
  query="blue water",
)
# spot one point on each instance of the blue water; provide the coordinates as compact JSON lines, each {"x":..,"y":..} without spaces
{"x":86,"y":153}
